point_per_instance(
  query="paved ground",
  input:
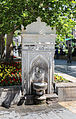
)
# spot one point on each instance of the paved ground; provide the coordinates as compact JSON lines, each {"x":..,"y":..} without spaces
{"x":61,"y":66}
{"x":54,"y":111}
{"x":67,"y":71}
{"x":70,"y":105}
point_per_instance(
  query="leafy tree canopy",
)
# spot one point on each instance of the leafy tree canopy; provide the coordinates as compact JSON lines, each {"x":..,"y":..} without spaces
{"x":59,"y":13}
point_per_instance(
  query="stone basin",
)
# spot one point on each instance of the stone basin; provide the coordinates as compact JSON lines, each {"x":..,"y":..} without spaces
{"x":40,"y":86}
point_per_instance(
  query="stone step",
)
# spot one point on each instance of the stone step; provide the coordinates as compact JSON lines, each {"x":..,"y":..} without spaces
{"x":51,"y":97}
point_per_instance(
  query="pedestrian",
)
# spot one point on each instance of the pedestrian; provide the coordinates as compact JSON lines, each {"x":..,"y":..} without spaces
{"x":69,"y":55}
{"x":56,"y":52}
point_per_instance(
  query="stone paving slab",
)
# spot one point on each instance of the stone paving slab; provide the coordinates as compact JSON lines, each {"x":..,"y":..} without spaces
{"x":54,"y":111}
{"x":70,"y":105}
{"x":65,"y":114}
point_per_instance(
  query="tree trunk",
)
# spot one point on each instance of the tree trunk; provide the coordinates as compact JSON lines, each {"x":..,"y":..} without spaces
{"x":9,"y":46}
{"x":2,"y":46}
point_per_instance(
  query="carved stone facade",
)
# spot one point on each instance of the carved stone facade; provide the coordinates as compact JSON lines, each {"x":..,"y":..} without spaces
{"x":38,"y":55}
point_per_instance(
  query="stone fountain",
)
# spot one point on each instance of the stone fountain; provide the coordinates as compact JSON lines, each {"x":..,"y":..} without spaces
{"x":38,"y":60}
{"x":39,"y":85}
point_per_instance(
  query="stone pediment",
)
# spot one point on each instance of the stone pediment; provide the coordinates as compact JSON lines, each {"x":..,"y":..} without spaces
{"x":39,"y":27}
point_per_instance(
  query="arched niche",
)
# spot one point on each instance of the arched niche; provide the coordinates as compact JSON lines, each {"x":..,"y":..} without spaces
{"x":39,"y":67}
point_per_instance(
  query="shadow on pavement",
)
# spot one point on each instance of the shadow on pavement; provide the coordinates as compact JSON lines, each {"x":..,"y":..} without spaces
{"x":64,"y":67}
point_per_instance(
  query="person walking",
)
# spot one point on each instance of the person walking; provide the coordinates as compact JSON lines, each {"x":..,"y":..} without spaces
{"x":69,"y":55}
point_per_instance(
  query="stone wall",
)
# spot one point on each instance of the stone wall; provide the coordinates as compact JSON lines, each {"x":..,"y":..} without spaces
{"x":66,"y":91}
{"x":12,"y":94}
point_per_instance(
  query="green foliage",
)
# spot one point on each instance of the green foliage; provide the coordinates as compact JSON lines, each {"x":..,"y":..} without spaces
{"x":59,"y":79}
{"x":10,"y":12}
{"x":59,"y":13}
{"x":10,"y":74}
{"x":5,"y":41}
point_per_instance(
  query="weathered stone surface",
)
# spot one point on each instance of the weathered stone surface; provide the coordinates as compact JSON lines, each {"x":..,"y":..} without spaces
{"x":38,"y":52}
{"x":39,"y":28}
{"x":8,"y":93}
{"x":65,"y":85}
{"x":43,"y":97}
{"x":29,"y":99}
{"x":40,"y":86}
{"x":52,"y":95}
{"x":37,"y":112}
{"x":66,"y":91}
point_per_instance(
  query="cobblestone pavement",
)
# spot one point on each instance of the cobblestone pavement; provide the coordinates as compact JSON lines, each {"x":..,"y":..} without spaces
{"x":54,"y":111}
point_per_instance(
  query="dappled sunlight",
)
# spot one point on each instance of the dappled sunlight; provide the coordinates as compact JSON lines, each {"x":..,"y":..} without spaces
{"x":70,"y":105}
